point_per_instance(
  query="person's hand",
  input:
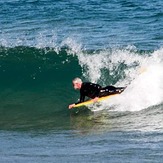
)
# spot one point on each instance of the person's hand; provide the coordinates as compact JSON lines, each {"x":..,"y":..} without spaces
{"x":71,"y":106}
{"x":95,"y":99}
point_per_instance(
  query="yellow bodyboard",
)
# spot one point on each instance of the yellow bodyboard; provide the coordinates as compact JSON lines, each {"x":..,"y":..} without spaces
{"x":91,"y":101}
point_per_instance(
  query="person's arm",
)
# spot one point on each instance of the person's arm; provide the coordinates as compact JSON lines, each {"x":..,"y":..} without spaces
{"x":96,"y":92}
{"x":82,"y":98}
{"x":97,"y":89}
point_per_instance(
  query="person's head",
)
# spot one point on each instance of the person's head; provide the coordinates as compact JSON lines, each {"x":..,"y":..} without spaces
{"x":77,"y":82}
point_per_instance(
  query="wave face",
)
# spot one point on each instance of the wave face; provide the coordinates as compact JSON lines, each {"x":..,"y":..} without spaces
{"x":36,"y":82}
{"x":45,"y":44}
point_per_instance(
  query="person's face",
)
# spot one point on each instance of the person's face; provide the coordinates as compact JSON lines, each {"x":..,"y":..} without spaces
{"x":76,"y":85}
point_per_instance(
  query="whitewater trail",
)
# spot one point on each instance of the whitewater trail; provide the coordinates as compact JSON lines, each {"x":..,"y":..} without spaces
{"x":142,"y":74}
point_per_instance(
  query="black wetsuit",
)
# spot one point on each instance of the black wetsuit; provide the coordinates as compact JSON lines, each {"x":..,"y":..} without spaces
{"x":92,"y":90}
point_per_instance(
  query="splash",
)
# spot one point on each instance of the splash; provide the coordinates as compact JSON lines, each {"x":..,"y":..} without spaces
{"x":110,"y":64}
{"x":144,"y":91}
{"x":141,"y":73}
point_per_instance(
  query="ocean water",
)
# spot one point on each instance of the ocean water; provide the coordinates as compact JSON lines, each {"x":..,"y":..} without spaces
{"x":44,"y":44}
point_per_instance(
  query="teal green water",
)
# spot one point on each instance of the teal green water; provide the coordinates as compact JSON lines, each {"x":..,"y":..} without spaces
{"x":45,"y":44}
{"x":33,"y":87}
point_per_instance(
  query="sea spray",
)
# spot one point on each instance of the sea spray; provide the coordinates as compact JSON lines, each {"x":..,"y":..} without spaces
{"x":144,"y":91}
{"x":124,"y":66}
{"x":142,"y":74}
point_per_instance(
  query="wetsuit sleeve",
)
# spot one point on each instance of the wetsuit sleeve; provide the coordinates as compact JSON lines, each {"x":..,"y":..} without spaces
{"x":82,"y":97}
{"x":97,"y":92}
{"x":94,"y":90}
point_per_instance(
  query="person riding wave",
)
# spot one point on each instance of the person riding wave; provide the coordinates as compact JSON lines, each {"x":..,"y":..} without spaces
{"x":93,"y":91}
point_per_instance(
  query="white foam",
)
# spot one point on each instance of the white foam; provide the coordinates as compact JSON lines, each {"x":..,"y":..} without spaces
{"x":144,"y":91}
{"x":143,"y":75}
